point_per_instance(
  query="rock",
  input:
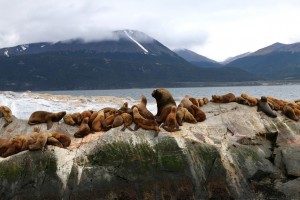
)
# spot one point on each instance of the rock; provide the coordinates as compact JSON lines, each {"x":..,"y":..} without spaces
{"x":237,"y":153}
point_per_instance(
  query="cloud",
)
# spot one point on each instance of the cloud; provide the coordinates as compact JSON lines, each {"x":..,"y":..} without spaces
{"x":216,"y":29}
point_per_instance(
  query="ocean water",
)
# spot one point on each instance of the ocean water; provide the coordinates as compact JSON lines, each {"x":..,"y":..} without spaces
{"x":286,"y":92}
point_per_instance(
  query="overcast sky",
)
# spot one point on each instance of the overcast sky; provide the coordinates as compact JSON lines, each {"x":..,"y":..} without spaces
{"x":217,"y":29}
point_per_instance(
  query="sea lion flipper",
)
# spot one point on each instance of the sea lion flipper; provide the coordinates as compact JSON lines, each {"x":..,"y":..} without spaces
{"x":136,"y":127}
{"x":6,"y":124}
{"x":130,"y":128}
{"x":123,"y":129}
{"x":54,"y":141}
{"x":49,"y":124}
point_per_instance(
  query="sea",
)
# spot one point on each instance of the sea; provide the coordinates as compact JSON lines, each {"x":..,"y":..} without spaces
{"x":285,"y":92}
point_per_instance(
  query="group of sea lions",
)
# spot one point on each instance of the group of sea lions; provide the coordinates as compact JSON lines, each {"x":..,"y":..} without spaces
{"x":268,"y":105}
{"x":169,"y":117}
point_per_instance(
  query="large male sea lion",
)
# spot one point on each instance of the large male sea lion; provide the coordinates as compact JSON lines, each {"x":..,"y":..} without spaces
{"x":45,"y":117}
{"x":164,"y":102}
{"x":263,"y":105}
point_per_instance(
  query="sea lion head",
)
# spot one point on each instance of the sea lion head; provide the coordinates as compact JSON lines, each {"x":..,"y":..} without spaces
{"x":144,"y":99}
{"x":263,"y":99}
{"x":174,"y":109}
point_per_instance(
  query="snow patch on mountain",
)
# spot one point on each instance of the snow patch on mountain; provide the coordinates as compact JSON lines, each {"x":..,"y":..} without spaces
{"x":6,"y":53}
{"x":141,"y":46}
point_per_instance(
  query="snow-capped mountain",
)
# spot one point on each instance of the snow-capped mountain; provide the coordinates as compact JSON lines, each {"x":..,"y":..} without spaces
{"x":127,"y":59}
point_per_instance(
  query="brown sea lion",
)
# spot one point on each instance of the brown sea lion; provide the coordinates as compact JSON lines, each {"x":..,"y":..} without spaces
{"x":125,"y":109}
{"x":109,"y":119}
{"x":180,"y":114}
{"x":84,"y":129}
{"x":118,"y":121}
{"x":200,"y":102}
{"x":252,"y":101}
{"x":241,"y":100}
{"x":45,"y":117}
{"x":198,"y":114}
{"x":69,"y":120}
{"x":194,"y":101}
{"x":6,"y":112}
{"x":86,"y":113}
{"x":171,"y":124}
{"x":51,"y":138}
{"x":127,"y":118}
{"x":188,"y":117}
{"x":227,"y":98}
{"x":187,"y":104}
{"x":4,"y":144}
{"x":164,"y":102}
{"x":76,"y":117}
{"x":97,"y":123}
{"x":263,"y":105}
{"x":20,"y":143}
{"x":142,"y":107}
{"x":289,"y":112}
{"x":278,"y":104}
{"x":146,"y":124}
{"x":205,"y":100}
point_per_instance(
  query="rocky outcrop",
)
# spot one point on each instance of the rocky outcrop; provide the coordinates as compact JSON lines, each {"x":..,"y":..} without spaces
{"x":236,"y":153}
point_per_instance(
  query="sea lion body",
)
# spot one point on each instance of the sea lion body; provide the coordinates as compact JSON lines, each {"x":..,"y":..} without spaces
{"x":84,"y":129}
{"x":69,"y":120}
{"x":164,"y":101}
{"x":289,"y":112}
{"x":7,"y":114}
{"x":146,"y":124}
{"x":252,"y":101}
{"x":171,"y":124}
{"x":180,"y":114}
{"x":118,"y":121}
{"x":198,"y":114}
{"x":227,"y":98}
{"x":97,"y":123}
{"x":127,"y":119}
{"x":263,"y":106}
{"x":188,"y":117}
{"x":45,"y":117}
{"x":142,"y":108}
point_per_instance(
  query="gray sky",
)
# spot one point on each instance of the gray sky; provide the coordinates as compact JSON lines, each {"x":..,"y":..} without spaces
{"x":214,"y":28}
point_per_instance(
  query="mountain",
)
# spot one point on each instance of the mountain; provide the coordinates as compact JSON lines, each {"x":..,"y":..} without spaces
{"x":275,"y":62}
{"x":196,"y":59}
{"x":128,"y":59}
{"x":231,"y":59}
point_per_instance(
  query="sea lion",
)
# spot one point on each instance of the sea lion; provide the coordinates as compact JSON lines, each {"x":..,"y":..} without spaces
{"x":200,"y":102}
{"x":4,"y":144}
{"x":109,"y":119}
{"x":86,"y":113}
{"x":187,"y":104}
{"x":164,"y":102}
{"x":19,"y":143}
{"x":188,"y":117}
{"x":278,"y":104}
{"x":84,"y":129}
{"x":125,"y":109}
{"x":51,"y":138}
{"x":142,"y":108}
{"x":118,"y":121}
{"x":252,"y":101}
{"x":45,"y":117}
{"x":76,"y":117}
{"x":146,"y":124}
{"x":194,"y":101}
{"x":171,"y":124}
{"x":198,"y":114}
{"x":127,"y":119}
{"x":263,"y":105}
{"x":205,"y":100}
{"x":69,"y":120}
{"x":180,"y":114}
{"x":227,"y":98}
{"x":241,"y":100}
{"x":7,"y":114}
{"x":289,"y":112}
{"x":97,"y":123}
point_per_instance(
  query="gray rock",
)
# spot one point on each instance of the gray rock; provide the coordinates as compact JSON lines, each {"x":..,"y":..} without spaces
{"x":202,"y":161}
